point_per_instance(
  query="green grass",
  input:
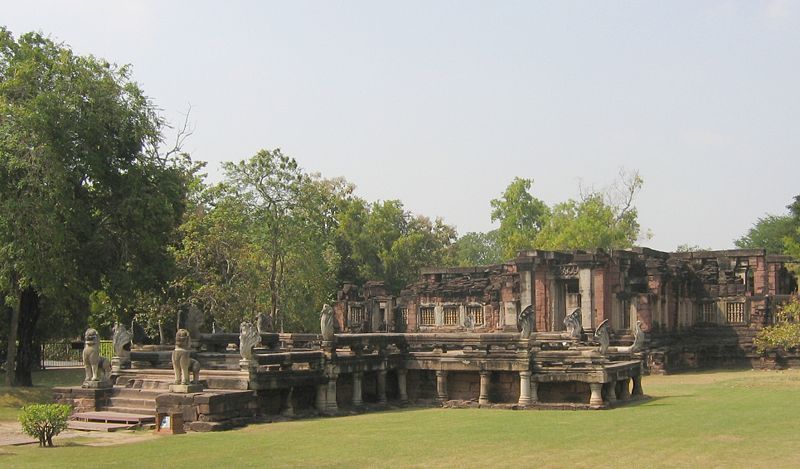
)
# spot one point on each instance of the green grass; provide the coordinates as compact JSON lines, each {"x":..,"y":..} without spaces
{"x":714,"y":419}
{"x":12,"y":399}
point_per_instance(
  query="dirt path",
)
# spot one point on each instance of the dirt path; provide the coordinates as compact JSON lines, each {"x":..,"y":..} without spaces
{"x":11,"y":434}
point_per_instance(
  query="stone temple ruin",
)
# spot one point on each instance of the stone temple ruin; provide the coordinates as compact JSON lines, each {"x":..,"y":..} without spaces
{"x":555,"y":330}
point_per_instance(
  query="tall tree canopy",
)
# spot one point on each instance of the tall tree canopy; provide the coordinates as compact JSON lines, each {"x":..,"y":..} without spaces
{"x":778,"y":234}
{"x":521,"y":217}
{"x":86,"y":201}
{"x":383,"y":241}
{"x":599,"y":219}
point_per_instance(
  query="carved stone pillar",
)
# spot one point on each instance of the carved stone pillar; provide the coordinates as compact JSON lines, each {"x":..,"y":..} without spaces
{"x":534,"y":392}
{"x":401,"y":384}
{"x":611,"y":391}
{"x":624,"y":389}
{"x":357,"y":378}
{"x":322,"y":397}
{"x":524,"y":387}
{"x":637,"y":386}
{"x":483,"y":397}
{"x":382,"y":386}
{"x":597,"y":394}
{"x":330,"y":404}
{"x":441,"y":385}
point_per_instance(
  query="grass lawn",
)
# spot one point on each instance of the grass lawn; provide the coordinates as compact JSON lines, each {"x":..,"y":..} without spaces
{"x":12,"y":399}
{"x":712,"y":419}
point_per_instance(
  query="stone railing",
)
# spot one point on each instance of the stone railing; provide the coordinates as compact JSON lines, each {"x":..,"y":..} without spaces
{"x":307,"y":359}
{"x":443,"y":343}
{"x":219,"y":342}
{"x":289,"y":341}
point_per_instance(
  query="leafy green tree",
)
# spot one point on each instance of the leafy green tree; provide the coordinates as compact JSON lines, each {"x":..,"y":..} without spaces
{"x":599,"y":219}
{"x":587,"y":224}
{"x":521,"y":217}
{"x":475,"y":248}
{"x":382,"y":241}
{"x":785,"y":333}
{"x":44,"y":421}
{"x":769,"y":232}
{"x":86,"y":200}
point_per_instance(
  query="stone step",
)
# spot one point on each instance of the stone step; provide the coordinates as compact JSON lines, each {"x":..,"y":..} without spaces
{"x":98,"y":426}
{"x":132,"y":402}
{"x":131,"y":410}
{"x":105,"y":416}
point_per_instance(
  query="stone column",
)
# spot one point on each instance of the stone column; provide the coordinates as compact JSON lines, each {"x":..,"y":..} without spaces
{"x":587,"y":298}
{"x":322,"y":397}
{"x":483,"y":397}
{"x":524,"y":387}
{"x":624,"y":388}
{"x":534,"y":392}
{"x":441,"y":385}
{"x":597,"y":394}
{"x":330,"y":402}
{"x":357,"y":377}
{"x":401,"y":384}
{"x":611,"y":391}
{"x":637,"y":386}
{"x":382,"y":386}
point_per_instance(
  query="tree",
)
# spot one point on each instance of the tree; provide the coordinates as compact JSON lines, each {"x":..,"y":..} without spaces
{"x":778,"y":234}
{"x":382,"y":241}
{"x":588,"y":224}
{"x":475,"y":248}
{"x":521,"y":216}
{"x":86,"y":199}
{"x":599,"y":219}
{"x":768,"y":233}
{"x":292,"y":216}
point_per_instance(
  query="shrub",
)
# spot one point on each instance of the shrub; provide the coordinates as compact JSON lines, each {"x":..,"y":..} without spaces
{"x":786,"y":331}
{"x":44,"y":421}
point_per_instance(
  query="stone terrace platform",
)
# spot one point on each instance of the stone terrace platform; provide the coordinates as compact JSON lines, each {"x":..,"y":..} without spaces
{"x":299,"y":374}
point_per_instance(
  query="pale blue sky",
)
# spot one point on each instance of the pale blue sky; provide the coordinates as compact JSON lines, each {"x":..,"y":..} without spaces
{"x":441,"y":104}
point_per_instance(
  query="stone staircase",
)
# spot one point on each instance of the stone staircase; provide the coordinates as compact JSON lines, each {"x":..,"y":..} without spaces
{"x":127,"y":408}
{"x":109,"y":421}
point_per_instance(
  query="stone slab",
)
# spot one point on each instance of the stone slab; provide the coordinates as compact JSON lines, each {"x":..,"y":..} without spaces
{"x":185,"y":388}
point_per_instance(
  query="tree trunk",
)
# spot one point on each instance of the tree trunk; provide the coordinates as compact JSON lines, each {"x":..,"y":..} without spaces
{"x":11,"y":353}
{"x":26,"y":351}
{"x":161,"y":339}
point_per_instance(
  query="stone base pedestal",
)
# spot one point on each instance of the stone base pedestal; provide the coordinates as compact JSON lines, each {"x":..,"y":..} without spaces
{"x":185,"y":388}
{"x":102,"y":384}
{"x":120,"y":363}
{"x":82,"y":399}
{"x":247,"y":365}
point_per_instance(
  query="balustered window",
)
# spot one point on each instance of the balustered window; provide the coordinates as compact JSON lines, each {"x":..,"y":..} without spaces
{"x":356,"y":315}
{"x":476,"y":311}
{"x":427,"y":316}
{"x":708,"y":312}
{"x":451,"y":315}
{"x":734,"y":313}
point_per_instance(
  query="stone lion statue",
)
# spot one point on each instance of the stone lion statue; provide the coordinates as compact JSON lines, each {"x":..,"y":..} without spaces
{"x":121,"y":337}
{"x":326,"y":322}
{"x":182,"y":362}
{"x":248,"y":338}
{"x":526,"y":322}
{"x":97,"y":368}
{"x":573,"y":324}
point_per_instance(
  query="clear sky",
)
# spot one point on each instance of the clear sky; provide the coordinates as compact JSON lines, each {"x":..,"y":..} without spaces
{"x":441,"y":104}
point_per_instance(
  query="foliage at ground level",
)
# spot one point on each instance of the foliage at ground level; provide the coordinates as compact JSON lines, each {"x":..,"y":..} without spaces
{"x":709,"y":419}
